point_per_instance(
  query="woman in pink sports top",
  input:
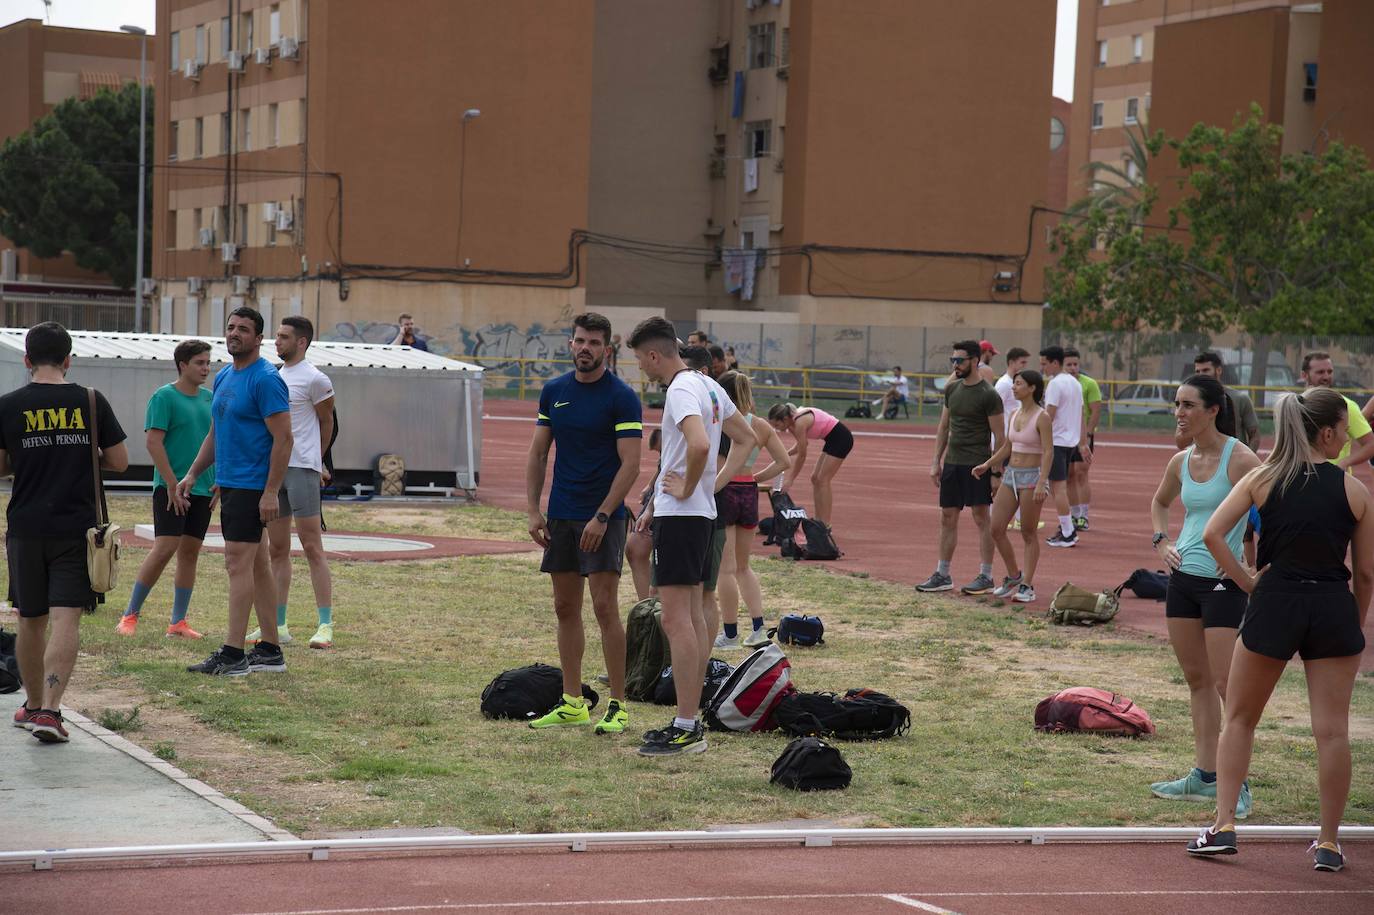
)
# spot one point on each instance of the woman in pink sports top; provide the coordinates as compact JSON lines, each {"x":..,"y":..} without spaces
{"x":806,"y":424}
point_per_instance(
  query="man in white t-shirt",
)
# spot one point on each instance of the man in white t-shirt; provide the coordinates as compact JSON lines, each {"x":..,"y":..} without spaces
{"x":696,"y":412}
{"x":1064,"y":403}
{"x":1016,"y":361}
{"x":311,"y":396}
{"x":896,"y":394}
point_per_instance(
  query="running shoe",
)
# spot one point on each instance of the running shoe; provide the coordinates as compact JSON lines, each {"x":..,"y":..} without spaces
{"x":1025,"y":595}
{"x":563,"y":714}
{"x":283,"y":636}
{"x":757,"y":638}
{"x":980,"y":585}
{"x":1008,"y":587}
{"x":1190,"y":787}
{"x":936,"y":582}
{"x":1060,"y":540}
{"x":674,"y":741}
{"x":1244,"y":802}
{"x":723,"y":642}
{"x":23,"y":716}
{"x":1326,"y":857}
{"x":1214,"y":842}
{"x":614,"y":721}
{"x":221,"y":665}
{"x":263,"y":659}
{"x":1080,"y":524}
{"x":182,"y":630}
{"x":127,"y":624}
{"x":323,"y":637}
{"x":46,"y":725}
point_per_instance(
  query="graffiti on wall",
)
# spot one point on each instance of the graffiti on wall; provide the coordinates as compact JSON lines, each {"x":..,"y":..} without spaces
{"x":380,"y":332}
{"x":494,"y":342}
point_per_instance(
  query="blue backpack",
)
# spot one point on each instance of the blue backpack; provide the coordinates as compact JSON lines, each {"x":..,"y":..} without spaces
{"x":795,"y":629}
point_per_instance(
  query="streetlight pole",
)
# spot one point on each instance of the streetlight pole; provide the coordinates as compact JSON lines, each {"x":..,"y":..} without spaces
{"x":142,"y":165}
{"x":462,"y":161}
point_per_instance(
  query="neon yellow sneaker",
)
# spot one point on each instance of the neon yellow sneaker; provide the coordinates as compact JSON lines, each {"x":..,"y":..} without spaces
{"x":615,"y":719}
{"x":283,"y":636}
{"x":323,"y":637}
{"x":564,"y":713}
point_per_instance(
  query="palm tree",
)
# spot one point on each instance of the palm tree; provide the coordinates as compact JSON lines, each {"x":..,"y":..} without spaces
{"x":1114,"y":187}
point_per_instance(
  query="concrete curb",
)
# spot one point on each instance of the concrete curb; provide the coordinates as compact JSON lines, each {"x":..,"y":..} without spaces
{"x":197,"y":787}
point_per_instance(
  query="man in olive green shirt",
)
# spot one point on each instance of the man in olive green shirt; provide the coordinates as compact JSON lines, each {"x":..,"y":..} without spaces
{"x":972,"y":417}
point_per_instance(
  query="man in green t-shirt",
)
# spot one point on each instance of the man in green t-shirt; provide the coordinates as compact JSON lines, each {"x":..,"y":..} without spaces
{"x":1080,"y":490}
{"x":178,"y":419}
{"x":1317,"y":372}
{"x":971,"y":418}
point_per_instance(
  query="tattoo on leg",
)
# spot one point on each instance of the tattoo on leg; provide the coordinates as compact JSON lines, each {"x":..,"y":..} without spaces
{"x":53,"y":680}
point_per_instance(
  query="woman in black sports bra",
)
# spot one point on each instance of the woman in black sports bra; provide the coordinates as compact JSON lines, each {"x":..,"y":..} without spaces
{"x":1312,"y":515}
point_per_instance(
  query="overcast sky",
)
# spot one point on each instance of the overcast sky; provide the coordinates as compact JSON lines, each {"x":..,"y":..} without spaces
{"x":111,"y":14}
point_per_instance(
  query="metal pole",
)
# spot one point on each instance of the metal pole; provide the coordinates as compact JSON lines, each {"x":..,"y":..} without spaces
{"x":142,"y":170}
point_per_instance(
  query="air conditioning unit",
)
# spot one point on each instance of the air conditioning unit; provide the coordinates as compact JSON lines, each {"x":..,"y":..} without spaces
{"x":149,"y":285}
{"x":284,"y":220}
{"x":269,"y":212}
{"x":288,"y":48}
{"x":241,"y":284}
{"x":191,"y":69}
{"x":194,"y":284}
{"x":236,"y":61}
{"x":207,"y":237}
{"x":229,"y":252}
{"x":263,"y":56}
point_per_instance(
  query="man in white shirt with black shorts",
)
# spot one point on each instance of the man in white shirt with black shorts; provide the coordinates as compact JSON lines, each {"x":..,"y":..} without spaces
{"x":696,"y":412}
{"x":1064,"y":403}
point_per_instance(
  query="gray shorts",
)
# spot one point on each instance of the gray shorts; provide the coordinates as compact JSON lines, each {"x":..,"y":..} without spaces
{"x":1019,"y":478}
{"x":564,"y":552}
{"x":301,"y":490}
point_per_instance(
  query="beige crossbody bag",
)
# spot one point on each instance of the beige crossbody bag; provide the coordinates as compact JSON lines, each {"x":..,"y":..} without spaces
{"x":102,"y":541}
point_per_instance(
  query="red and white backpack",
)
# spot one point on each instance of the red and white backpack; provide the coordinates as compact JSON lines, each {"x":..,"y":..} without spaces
{"x":1083,"y":708}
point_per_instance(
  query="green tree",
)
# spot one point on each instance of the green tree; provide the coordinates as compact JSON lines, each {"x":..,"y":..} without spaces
{"x":1124,"y":185}
{"x":70,"y":183}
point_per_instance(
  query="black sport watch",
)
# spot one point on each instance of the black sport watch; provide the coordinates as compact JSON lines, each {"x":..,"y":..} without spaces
{"x":603,"y":517}
{"x":1159,"y":536}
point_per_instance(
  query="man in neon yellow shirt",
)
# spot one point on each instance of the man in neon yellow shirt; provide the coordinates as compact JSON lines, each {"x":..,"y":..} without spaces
{"x":1317,"y":372}
{"x":1080,"y":490}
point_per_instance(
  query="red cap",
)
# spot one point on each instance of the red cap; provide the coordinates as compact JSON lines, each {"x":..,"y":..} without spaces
{"x":987,"y":347}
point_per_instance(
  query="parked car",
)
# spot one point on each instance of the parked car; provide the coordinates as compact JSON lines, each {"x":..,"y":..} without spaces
{"x":1152,"y":396}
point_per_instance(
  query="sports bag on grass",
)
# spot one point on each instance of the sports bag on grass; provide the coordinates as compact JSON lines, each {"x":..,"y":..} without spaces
{"x":1072,"y":605}
{"x":787,"y":517}
{"x":811,"y":764}
{"x":102,"y":541}
{"x":1084,"y":708}
{"x":717,"y":672}
{"x":746,"y":700}
{"x":796,"y":629}
{"x":860,"y":410}
{"x":646,"y":650}
{"x":1147,"y":584}
{"x":528,"y":692}
{"x":820,"y":543}
{"x":860,"y":714}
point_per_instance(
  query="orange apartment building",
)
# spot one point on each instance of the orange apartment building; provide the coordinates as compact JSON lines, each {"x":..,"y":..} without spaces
{"x":40,"y":67}
{"x":624,"y":155}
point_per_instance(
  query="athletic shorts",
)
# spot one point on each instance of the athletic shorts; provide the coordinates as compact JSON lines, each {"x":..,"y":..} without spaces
{"x":1076,"y":456}
{"x":682,"y":549}
{"x":738,"y":505}
{"x":1019,"y":478}
{"x":167,"y":523}
{"x":48,"y":572}
{"x":302,"y":489}
{"x":1218,"y":602}
{"x":565,"y":554}
{"x":839,"y":441}
{"x":1059,"y":467}
{"x":1314,"y":619}
{"x":959,"y":488}
{"x":239,"y":520}
{"x":713,"y":558}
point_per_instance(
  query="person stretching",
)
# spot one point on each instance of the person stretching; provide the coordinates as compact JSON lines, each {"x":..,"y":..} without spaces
{"x":806,"y":424}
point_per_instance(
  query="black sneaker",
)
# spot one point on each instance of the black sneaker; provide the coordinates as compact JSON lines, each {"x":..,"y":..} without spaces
{"x":266,"y":659}
{"x":1208,"y":843}
{"x":673,"y":740}
{"x":1060,"y":540}
{"x":221,"y":665}
{"x":1326,"y":857}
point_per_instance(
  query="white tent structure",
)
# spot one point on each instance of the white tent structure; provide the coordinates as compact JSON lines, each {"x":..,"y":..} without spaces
{"x":389,"y":399}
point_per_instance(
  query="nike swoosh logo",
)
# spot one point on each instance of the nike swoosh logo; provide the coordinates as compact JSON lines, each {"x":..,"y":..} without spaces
{"x":567,"y":715}
{"x":563,"y":404}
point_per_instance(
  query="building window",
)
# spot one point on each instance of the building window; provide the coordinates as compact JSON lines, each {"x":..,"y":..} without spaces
{"x":195,"y":228}
{"x":1309,"y":82}
{"x":273,"y":125}
{"x":1137,"y":47}
{"x":224,"y":44}
{"x":245,"y":129}
{"x":1097,"y":115}
{"x":1132,"y":110}
{"x":246,"y":32}
{"x":225,"y":132}
{"x":761,"y":37}
{"x":785,"y":51}
{"x":222,"y":222}
{"x":272,"y":234}
{"x":1132,"y":169}
{"x":201,"y":51}
{"x":274,"y":25}
{"x":1102,"y":54}
{"x":758,"y":137}
{"x":175,"y":55}
{"x":200,"y":138}
{"x":1056,"y":133}
{"x":172,"y":139}
{"x":171,"y":228}
{"x":242,"y":227}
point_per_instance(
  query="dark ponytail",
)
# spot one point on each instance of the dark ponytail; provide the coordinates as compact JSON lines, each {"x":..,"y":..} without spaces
{"x":1214,"y":395}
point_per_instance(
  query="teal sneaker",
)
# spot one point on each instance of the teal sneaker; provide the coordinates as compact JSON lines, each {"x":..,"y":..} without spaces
{"x":1190,"y":787}
{"x":1244,"y":802}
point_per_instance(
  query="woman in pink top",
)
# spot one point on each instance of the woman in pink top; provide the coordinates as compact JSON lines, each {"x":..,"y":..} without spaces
{"x":1025,"y":483}
{"x":806,"y":424}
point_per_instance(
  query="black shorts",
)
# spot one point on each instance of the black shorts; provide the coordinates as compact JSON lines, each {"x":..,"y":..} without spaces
{"x":1313,"y":619}
{"x":1059,"y":467}
{"x":682,"y":549}
{"x":565,"y":554}
{"x":1218,"y":602}
{"x":839,"y":441}
{"x":167,"y":523}
{"x":239,"y":519}
{"x":48,"y":572}
{"x":959,"y":488}
{"x":1076,"y":456}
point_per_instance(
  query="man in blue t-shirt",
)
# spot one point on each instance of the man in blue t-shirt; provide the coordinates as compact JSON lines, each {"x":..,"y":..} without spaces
{"x":596,"y":421}
{"x":249,"y":444}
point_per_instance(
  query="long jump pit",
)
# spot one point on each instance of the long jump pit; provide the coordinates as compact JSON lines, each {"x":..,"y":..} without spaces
{"x":366,"y":546}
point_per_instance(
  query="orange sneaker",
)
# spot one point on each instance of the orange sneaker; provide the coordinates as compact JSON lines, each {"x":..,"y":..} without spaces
{"x":182,"y":630}
{"x":127,"y":623}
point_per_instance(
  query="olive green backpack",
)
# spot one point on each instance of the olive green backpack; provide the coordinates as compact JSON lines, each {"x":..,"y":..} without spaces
{"x":646,"y":650}
{"x":1072,"y":605}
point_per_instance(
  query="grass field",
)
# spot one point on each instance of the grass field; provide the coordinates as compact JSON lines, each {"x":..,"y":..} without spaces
{"x":384,"y":729}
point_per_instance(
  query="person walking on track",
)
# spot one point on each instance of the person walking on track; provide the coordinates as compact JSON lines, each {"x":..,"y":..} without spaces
{"x":1202,"y":608}
{"x":809,"y":424}
{"x":1312,"y":515}
{"x":1027,"y":452}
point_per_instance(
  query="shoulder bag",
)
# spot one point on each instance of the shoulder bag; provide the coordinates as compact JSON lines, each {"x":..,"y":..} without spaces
{"x":102,"y":541}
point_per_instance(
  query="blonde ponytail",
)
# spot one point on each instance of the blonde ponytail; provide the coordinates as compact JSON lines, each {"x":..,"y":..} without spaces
{"x":1298,"y":419}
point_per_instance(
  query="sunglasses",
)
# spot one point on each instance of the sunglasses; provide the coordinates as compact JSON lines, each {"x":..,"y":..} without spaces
{"x":955,"y":360}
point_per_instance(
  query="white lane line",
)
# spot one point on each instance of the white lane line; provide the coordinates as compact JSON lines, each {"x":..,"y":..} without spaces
{"x":918,"y":904}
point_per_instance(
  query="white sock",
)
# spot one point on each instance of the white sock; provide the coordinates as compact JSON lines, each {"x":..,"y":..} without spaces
{"x":1066,"y":525}
{"x":1076,"y":511}
{"x":687,"y":724}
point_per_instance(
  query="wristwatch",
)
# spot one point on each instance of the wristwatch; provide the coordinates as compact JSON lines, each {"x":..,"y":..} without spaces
{"x":603,"y":517}
{"x":1159,"y":535}
{"x":995,"y":473}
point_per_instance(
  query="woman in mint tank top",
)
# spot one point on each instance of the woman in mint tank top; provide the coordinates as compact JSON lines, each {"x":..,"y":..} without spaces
{"x":1202,"y":607}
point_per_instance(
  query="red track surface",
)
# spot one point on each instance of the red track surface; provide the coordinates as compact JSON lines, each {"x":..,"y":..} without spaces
{"x":1149,"y":879}
{"x":887,"y":518}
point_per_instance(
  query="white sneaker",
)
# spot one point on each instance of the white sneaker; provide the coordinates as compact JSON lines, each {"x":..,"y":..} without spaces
{"x":757,"y":638}
{"x":1025,"y":594}
{"x":723,"y":642}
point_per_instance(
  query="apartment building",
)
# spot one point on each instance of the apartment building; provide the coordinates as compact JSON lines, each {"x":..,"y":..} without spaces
{"x":495,"y":168}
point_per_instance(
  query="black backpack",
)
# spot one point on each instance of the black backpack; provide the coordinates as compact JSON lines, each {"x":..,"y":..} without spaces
{"x":528,"y":692}
{"x":797,"y":629}
{"x":9,"y":664}
{"x":860,"y":714}
{"x":717,"y":672}
{"x":811,"y":764}
{"x":787,"y":517}
{"x":820,"y":543}
{"x":860,"y":410}
{"x":1147,"y":584}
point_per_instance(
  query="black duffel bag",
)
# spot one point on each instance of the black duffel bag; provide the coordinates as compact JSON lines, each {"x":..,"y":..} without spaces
{"x":811,"y":764}
{"x":528,"y":692}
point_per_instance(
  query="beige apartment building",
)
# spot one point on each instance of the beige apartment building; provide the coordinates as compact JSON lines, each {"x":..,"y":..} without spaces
{"x":495,"y":168}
